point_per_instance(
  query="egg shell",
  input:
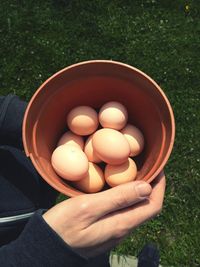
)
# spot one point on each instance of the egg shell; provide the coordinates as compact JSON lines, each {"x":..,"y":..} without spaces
{"x":70,"y":162}
{"x":72,"y":139}
{"x":94,"y":180}
{"x":113,"y":115}
{"x":111,"y":146}
{"x":135,"y":139}
{"x":89,"y":151}
{"x":120,"y":174}
{"x":82,"y":120}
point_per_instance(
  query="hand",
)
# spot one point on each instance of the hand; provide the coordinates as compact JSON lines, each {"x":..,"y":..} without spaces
{"x":93,"y":224}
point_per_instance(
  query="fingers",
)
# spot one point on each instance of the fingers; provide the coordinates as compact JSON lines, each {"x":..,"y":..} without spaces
{"x":157,"y":195}
{"x":153,"y":206}
{"x":120,"y":223}
{"x":117,"y":198}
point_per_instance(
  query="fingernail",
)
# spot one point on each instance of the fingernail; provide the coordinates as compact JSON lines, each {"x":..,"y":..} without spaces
{"x":143,"y":189}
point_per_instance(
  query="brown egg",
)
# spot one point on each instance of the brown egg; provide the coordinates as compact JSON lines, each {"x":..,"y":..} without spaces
{"x":89,"y":151}
{"x":120,"y":174}
{"x":70,"y":162}
{"x":135,"y":139}
{"x":94,"y":180}
{"x":82,"y":120}
{"x":113,"y":115}
{"x":72,"y":139}
{"x":111,"y":146}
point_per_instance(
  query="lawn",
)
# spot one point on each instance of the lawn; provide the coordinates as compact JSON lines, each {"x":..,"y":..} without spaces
{"x":162,"y":38}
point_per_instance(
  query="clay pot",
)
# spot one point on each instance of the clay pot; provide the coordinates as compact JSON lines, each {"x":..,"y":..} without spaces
{"x":94,"y":83}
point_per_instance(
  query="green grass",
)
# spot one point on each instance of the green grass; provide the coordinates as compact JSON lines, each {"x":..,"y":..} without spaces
{"x":162,"y":38}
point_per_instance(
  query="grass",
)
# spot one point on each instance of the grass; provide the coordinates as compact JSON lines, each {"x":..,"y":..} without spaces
{"x":162,"y":38}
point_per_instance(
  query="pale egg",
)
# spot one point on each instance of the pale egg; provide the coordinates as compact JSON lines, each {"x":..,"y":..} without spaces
{"x":70,"y":162}
{"x":120,"y":174}
{"x":89,"y":151}
{"x":135,"y":139}
{"x":82,"y":120}
{"x":94,"y":180}
{"x":72,"y":139}
{"x":111,"y":146}
{"x":113,"y":115}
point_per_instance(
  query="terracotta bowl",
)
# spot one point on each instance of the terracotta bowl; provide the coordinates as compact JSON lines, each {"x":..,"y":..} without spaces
{"x":94,"y":83}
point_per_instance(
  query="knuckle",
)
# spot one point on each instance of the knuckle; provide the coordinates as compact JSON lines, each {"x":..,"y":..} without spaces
{"x":85,"y":207}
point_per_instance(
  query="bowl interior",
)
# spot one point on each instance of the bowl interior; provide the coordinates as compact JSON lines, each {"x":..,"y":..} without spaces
{"x":93,"y":85}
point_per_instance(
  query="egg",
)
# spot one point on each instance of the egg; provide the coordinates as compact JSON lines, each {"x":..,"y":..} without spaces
{"x":71,"y":138}
{"x":94,"y":180}
{"x":111,"y":146}
{"x":70,"y":162}
{"x":113,"y":115}
{"x":135,"y":139}
{"x":120,"y":174}
{"x":82,"y":120}
{"x":89,"y":151}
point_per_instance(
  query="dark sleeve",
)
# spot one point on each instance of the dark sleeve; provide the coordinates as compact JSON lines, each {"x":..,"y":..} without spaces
{"x":39,"y":246}
{"x":12,"y":111}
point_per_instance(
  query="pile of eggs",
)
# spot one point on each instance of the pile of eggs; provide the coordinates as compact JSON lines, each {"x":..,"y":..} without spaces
{"x":114,"y":144}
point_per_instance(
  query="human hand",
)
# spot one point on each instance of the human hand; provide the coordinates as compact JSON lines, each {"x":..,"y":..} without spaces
{"x":94,"y":223}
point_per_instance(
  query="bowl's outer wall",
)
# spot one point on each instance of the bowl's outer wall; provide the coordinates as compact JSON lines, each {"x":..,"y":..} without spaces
{"x":94,"y":83}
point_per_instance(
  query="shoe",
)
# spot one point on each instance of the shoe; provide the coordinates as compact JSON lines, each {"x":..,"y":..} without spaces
{"x":149,"y":256}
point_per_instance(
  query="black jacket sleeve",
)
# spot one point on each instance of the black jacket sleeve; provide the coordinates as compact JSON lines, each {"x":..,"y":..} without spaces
{"x":11,"y":117}
{"x":39,"y":246}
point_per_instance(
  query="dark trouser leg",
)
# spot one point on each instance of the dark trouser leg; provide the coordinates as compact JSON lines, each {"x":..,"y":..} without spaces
{"x":149,"y":256}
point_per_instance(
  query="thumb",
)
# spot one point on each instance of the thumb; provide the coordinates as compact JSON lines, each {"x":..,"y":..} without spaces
{"x":117,"y":198}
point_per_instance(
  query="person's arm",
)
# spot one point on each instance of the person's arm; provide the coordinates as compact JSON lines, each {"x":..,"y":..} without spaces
{"x":39,"y":246}
{"x":84,"y":226}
